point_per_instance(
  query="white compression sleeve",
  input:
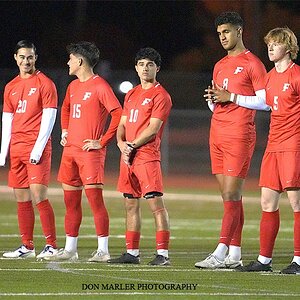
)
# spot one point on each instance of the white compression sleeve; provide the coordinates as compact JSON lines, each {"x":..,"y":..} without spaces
{"x":6,"y":135}
{"x":211,"y":105}
{"x":47,"y":123}
{"x":253,"y":102}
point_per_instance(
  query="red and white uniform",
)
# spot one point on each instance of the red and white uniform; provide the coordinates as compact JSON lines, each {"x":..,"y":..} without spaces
{"x":232,"y":133}
{"x":26,"y":99}
{"x":84,"y":114}
{"x":140,"y":106}
{"x":282,"y":155}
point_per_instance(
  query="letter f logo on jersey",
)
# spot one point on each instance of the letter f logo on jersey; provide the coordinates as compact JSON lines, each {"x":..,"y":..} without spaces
{"x":146,"y":101}
{"x":285,"y":87}
{"x":32,"y":91}
{"x":87,"y":95}
{"x":238,"y":70}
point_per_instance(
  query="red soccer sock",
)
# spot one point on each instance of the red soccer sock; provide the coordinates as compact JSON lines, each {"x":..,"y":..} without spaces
{"x":48,"y":222}
{"x":73,"y":215}
{"x":162,"y":239}
{"x":297,"y":233}
{"x":230,"y":221}
{"x":132,"y":239}
{"x":26,"y":222}
{"x":237,"y":235}
{"x":101,"y":219}
{"x":269,"y":226}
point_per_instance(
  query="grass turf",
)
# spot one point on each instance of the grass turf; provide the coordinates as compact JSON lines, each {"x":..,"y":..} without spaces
{"x":195,"y":226}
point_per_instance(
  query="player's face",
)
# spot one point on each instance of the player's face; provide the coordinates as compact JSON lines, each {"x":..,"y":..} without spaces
{"x":25,"y":59}
{"x":147,"y":70}
{"x":276,"y":51}
{"x":74,"y":63}
{"x":229,"y":35}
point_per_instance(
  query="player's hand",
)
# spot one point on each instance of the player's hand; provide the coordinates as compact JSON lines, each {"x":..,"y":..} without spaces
{"x":91,"y":145}
{"x":34,"y":159}
{"x":220,"y":95}
{"x":209,"y":93}
{"x":63,"y":140}
{"x":127,"y":151}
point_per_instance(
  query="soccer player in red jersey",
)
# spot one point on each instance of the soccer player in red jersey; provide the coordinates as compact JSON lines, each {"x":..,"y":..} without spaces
{"x":29,"y":112}
{"x":282,"y":154}
{"x":145,"y":112}
{"x":238,"y":82}
{"x":88,"y":102}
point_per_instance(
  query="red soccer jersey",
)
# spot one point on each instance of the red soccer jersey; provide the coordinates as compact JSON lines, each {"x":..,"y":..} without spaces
{"x":26,"y":98}
{"x":85,"y":109}
{"x":139,"y":106}
{"x":242,"y":74}
{"x":283,"y":95}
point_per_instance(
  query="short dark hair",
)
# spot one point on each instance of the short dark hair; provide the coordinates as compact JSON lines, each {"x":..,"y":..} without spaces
{"x":150,"y":54}
{"x":231,"y":17}
{"x":25,"y":44}
{"x":87,"y":50}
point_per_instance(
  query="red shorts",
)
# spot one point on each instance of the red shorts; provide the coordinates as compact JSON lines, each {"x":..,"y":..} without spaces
{"x":78,"y":168}
{"x":231,"y":156}
{"x":280,"y":170}
{"x":22,"y":173}
{"x":138,"y":180}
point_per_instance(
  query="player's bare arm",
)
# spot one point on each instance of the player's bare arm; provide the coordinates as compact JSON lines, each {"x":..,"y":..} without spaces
{"x":148,"y":134}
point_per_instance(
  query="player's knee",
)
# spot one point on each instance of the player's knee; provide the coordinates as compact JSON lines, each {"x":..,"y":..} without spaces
{"x":152,"y":195}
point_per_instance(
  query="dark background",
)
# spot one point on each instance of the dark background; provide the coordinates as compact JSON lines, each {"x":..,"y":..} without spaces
{"x":182,"y":31}
{"x":177,"y":29}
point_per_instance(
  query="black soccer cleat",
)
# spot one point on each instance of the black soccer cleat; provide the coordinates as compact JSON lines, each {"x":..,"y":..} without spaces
{"x":293,"y":268}
{"x":125,"y":258}
{"x":255,"y":266}
{"x":160,"y":260}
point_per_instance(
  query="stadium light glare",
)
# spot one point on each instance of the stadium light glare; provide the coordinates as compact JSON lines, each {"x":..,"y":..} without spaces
{"x":125,"y":86}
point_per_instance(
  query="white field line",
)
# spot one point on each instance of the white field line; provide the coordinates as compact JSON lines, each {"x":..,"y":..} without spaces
{"x":276,"y":295}
{"x":167,"y":196}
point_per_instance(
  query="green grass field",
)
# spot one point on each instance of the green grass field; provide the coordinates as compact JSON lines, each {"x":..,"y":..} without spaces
{"x":195,"y":223}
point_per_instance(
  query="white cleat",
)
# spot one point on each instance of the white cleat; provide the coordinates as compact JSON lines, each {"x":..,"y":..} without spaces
{"x":211,"y":262}
{"x":99,"y":256}
{"x":64,"y":255}
{"x":47,"y":253}
{"x":231,"y":263}
{"x":21,"y":252}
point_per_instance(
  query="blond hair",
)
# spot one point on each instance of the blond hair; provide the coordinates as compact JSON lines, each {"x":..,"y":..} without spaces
{"x":286,"y":36}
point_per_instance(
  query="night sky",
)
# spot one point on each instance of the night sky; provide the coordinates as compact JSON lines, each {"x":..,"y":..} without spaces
{"x":119,"y":28}
{"x":182,"y":31}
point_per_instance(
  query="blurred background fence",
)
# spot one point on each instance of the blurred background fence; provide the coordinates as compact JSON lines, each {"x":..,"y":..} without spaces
{"x":185,"y":150}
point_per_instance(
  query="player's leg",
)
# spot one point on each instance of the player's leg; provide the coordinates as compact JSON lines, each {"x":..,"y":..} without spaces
{"x":294,"y":198}
{"x":128,"y":184}
{"x":161,"y":217}
{"x":68,"y":175}
{"x":39,"y":177}
{"x":47,"y":218}
{"x":18,"y":179}
{"x":269,"y":226}
{"x":94,"y":194}
{"x":292,"y":172}
{"x":133,"y":232}
{"x":231,"y":190}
